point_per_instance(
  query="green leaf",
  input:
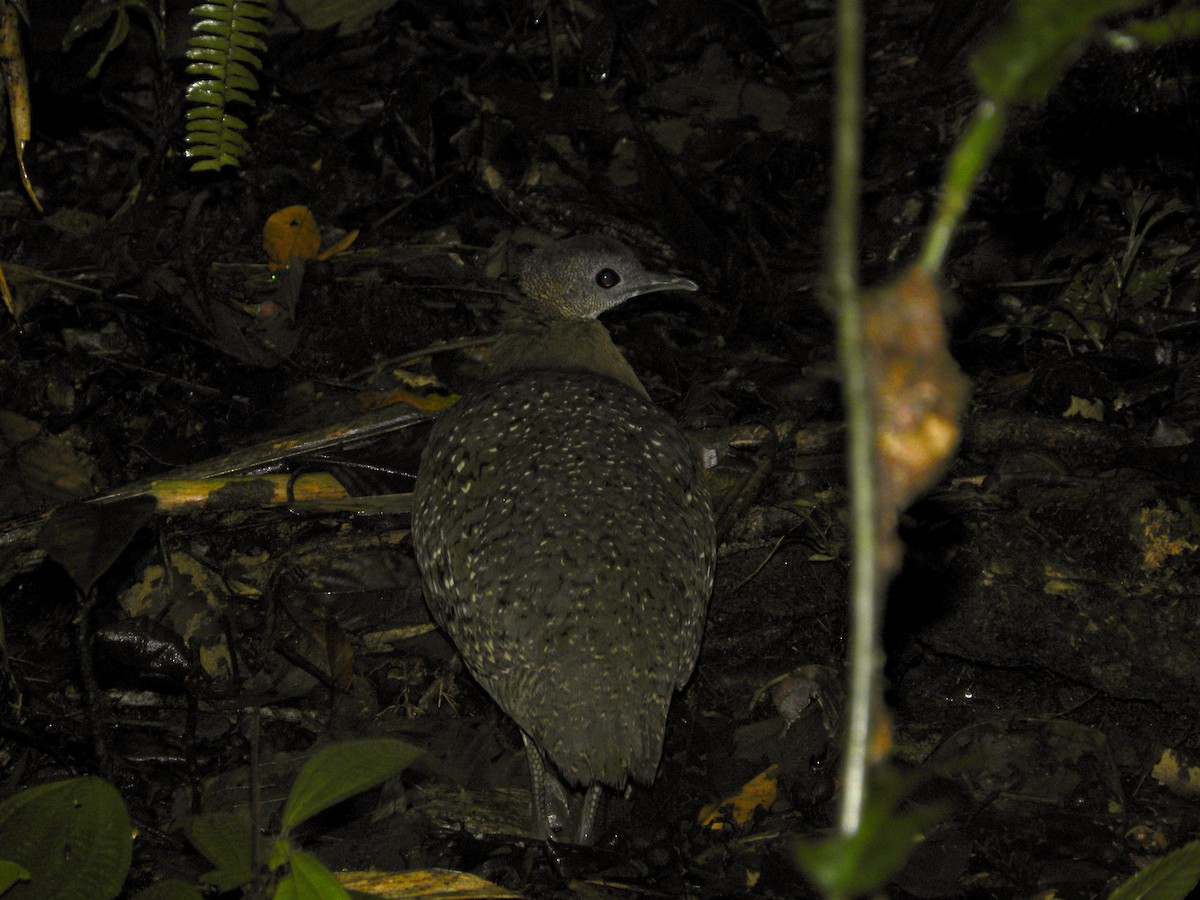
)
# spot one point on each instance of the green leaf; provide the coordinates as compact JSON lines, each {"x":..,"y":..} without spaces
{"x":10,"y":874}
{"x":210,"y":34}
{"x":203,"y":129}
{"x":224,"y":51}
{"x":214,"y":124}
{"x":240,"y":55}
{"x":213,"y":70}
{"x":151,"y":12}
{"x":89,"y":19}
{"x":239,"y":49}
{"x":216,"y":155}
{"x":251,"y":10}
{"x":309,"y":880}
{"x":213,"y":165}
{"x":198,"y":145}
{"x":1171,"y":878}
{"x":201,"y":112}
{"x":215,"y":42}
{"x":863,"y":862}
{"x":93,"y":16}
{"x":1178,"y":24}
{"x":213,"y":11}
{"x":247,"y":41}
{"x":73,"y":836}
{"x":239,"y":81}
{"x":225,"y":840}
{"x":342,"y":770}
{"x":115,"y":39}
{"x":1042,"y":38}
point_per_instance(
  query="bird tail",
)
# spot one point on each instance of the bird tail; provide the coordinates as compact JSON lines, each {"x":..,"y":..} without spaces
{"x":612,"y":743}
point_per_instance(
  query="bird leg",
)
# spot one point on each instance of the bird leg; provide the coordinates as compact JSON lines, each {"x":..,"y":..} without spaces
{"x":586,"y":835}
{"x":550,"y":803}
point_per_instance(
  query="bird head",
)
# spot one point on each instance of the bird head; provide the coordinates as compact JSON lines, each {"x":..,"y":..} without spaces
{"x":582,"y":277}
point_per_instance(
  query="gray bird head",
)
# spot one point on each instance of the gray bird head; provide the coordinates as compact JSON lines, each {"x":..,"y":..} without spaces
{"x":581,"y":277}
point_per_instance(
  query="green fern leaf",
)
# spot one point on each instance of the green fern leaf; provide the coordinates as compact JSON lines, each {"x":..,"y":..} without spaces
{"x":225,"y":52}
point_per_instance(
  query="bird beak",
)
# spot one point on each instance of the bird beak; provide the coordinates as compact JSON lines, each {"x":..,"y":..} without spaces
{"x":669,"y":283}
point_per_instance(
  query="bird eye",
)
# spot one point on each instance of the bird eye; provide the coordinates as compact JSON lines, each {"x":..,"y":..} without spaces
{"x":607,"y":278}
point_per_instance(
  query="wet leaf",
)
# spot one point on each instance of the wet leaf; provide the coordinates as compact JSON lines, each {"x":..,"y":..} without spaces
{"x":86,"y":538}
{"x":143,"y":650}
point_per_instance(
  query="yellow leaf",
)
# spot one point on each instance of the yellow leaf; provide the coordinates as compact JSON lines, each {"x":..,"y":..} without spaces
{"x":760,"y":792}
{"x":428,"y":883}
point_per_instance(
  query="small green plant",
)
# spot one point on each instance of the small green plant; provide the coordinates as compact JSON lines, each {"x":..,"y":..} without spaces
{"x":335,"y":773}
{"x":72,"y":839}
{"x":95,"y":15}
{"x":1103,"y":296}
{"x":224,"y":52}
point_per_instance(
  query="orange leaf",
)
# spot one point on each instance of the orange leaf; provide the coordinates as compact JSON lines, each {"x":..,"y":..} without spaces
{"x":290,"y":232}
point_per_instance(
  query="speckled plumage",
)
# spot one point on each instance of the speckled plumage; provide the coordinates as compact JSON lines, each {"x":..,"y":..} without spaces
{"x":564,"y":532}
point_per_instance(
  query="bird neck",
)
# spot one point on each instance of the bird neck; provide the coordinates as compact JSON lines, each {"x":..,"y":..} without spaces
{"x":572,"y":345}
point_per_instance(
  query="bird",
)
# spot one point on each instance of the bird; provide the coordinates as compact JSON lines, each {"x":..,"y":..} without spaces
{"x":565,"y":535}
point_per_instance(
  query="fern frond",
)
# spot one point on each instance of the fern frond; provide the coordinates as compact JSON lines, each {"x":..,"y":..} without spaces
{"x":224,"y":50}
